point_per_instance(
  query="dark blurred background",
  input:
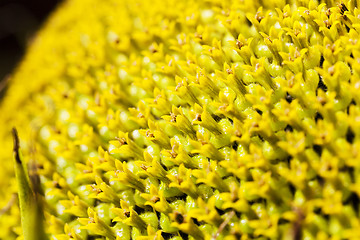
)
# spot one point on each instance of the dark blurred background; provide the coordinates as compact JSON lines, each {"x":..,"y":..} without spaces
{"x":19,"y":20}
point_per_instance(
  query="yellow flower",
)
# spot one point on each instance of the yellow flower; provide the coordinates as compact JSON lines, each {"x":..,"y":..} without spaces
{"x":195,"y":119}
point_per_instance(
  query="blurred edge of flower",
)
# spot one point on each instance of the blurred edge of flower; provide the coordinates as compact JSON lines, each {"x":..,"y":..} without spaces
{"x":19,"y":22}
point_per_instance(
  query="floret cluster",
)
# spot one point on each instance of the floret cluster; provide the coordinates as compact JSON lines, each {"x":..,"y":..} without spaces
{"x":198,"y":119}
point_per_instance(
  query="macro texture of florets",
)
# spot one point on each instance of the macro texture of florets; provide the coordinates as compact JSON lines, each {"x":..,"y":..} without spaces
{"x":198,"y":119}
